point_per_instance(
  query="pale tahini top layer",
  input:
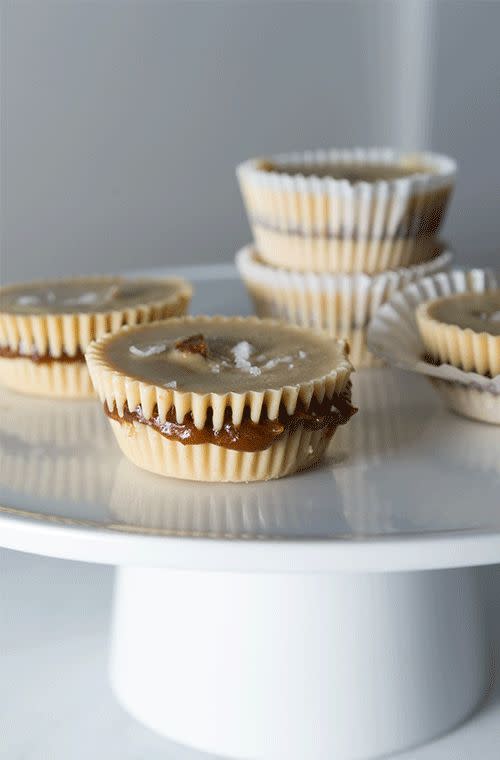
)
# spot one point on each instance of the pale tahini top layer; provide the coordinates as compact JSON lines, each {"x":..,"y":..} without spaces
{"x":351,"y":172}
{"x":84,"y":295}
{"x":479,"y":312}
{"x":223,"y":356}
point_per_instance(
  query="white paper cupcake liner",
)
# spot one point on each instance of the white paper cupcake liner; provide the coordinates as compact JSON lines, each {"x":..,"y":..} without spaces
{"x":461,"y":347}
{"x":469,"y":401}
{"x":62,"y":337}
{"x":342,"y":304}
{"x":54,"y":379}
{"x":58,"y":334}
{"x":394,"y":336}
{"x":149,"y":450}
{"x":119,"y":390}
{"x":314,"y":223}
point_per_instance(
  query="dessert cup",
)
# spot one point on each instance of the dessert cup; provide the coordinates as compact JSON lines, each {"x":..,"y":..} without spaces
{"x":192,"y":398}
{"x":395,"y":337}
{"x":463,"y":329}
{"x":341,"y":304}
{"x":46,"y":327}
{"x":359,"y":210}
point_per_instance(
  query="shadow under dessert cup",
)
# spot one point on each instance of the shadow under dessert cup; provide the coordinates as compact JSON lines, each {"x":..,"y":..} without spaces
{"x":359,"y":210}
{"x":461,"y":362}
{"x":341,"y":304}
{"x":46,"y":327}
{"x":222,"y":398}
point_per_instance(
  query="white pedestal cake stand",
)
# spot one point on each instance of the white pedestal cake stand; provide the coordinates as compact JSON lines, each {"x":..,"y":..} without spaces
{"x":333,"y":614}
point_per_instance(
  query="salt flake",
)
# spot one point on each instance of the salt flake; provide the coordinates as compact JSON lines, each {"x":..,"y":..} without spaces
{"x":242,"y":351}
{"x":272,"y":363}
{"x":155,"y":348}
{"x":28,"y":300}
{"x":90,"y":297}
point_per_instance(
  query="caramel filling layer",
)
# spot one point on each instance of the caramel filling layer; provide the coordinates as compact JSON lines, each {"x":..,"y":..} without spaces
{"x":9,"y":353}
{"x":248,"y":436}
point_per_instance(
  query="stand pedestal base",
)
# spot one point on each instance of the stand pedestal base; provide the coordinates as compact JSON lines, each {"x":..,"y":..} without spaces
{"x":342,"y":666}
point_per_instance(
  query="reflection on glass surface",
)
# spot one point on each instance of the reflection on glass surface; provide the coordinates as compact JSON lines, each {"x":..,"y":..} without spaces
{"x":53,"y":450}
{"x":386,"y":424}
{"x":475,"y":445}
{"x":389,"y":417}
{"x":279,"y":508}
{"x":403,"y":464}
{"x":405,"y":473}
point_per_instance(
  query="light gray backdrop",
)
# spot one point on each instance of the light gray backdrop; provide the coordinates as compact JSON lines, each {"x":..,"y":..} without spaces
{"x":122,"y":122}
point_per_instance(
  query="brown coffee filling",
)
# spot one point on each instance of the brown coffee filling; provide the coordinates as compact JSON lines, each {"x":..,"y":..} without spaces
{"x":10,"y":353}
{"x":248,"y":435}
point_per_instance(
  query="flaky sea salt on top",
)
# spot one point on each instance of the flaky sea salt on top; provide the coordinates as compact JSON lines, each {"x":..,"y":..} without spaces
{"x":28,"y":300}
{"x":242,"y":352}
{"x":155,"y":348}
{"x":83,"y":299}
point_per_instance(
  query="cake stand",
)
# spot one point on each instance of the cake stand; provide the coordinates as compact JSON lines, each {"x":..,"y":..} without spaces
{"x":332,"y":614}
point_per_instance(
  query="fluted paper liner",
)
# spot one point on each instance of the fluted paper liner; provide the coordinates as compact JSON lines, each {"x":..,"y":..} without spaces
{"x":150,"y":450}
{"x":342,"y":304}
{"x":314,"y":223}
{"x":461,"y":347}
{"x":71,"y":332}
{"x":116,"y":388}
{"x":394,"y":336}
{"x":52,"y":379}
{"x":469,"y":401}
{"x":68,"y":334}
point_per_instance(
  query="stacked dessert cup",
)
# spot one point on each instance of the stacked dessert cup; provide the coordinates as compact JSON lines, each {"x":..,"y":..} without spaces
{"x":337,"y":232}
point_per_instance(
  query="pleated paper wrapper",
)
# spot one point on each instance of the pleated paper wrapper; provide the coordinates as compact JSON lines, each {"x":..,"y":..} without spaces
{"x":68,"y":335}
{"x":341,"y":304}
{"x":322,"y":224}
{"x":461,"y":347}
{"x":150,"y":450}
{"x":394,"y":336}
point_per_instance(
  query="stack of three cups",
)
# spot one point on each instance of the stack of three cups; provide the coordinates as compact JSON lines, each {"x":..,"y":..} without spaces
{"x":337,"y":232}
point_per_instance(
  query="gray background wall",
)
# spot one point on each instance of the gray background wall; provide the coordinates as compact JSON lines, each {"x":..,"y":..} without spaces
{"x":122,"y":122}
